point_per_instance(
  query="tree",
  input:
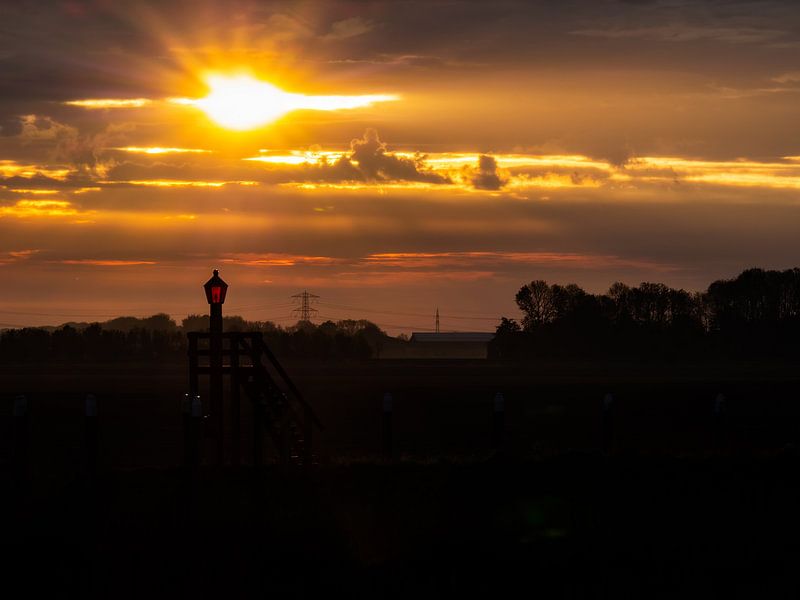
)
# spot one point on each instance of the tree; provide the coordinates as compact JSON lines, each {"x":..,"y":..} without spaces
{"x":507,"y":326}
{"x":535,"y":300}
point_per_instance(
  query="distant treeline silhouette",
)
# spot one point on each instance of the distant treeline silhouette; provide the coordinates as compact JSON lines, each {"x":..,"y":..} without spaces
{"x":160,"y":338}
{"x":756,"y":314}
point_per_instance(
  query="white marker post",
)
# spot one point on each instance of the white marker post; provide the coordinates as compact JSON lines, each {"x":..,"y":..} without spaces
{"x":388,"y":408}
{"x":498,"y":420}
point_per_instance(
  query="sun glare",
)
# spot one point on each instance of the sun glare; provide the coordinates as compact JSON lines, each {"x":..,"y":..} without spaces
{"x":242,"y":102}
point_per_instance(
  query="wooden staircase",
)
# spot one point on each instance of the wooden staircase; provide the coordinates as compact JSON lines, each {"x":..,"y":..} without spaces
{"x":280,"y":413}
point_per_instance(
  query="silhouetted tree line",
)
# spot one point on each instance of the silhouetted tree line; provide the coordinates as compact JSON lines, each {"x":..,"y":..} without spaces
{"x":756,"y":314}
{"x":160,"y":338}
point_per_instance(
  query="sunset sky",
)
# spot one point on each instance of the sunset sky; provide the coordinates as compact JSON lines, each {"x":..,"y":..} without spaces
{"x":390,"y":157}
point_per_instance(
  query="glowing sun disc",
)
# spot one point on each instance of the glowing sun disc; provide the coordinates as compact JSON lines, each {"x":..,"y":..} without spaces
{"x":242,"y":102}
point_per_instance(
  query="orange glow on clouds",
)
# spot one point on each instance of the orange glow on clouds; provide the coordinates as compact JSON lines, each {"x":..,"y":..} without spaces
{"x":160,"y":150}
{"x":39,"y":208}
{"x":170,"y":183}
{"x":100,"y":103}
{"x":10,"y":168}
{"x":106,"y":263}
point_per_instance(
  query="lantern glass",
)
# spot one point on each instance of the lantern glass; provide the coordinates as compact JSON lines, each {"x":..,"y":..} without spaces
{"x":215,"y":289}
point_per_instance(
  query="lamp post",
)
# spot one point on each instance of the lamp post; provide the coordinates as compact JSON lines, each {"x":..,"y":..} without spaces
{"x":216,"y":290}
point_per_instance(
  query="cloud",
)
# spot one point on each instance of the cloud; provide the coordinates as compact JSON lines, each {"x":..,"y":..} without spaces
{"x":488,"y":175}
{"x":37,"y":128}
{"x":39,"y":208}
{"x":92,"y":262}
{"x":14,"y":256}
{"x":274,"y":259}
{"x":348,"y":28}
{"x":106,"y":103}
{"x":11,"y":125}
{"x":687,"y":33}
{"x":790,"y":77}
{"x":370,"y":161}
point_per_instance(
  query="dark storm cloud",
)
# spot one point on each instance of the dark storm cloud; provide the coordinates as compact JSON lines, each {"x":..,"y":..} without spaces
{"x":371,"y":161}
{"x":487,"y":176}
{"x":368,"y":161}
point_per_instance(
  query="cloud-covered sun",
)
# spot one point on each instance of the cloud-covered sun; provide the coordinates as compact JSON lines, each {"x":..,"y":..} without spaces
{"x":242,"y":102}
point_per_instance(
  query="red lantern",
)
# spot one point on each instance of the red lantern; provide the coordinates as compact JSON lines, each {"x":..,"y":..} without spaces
{"x":215,"y":289}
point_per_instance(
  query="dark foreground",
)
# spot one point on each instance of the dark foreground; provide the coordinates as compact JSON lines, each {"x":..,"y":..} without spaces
{"x":578,"y":526}
{"x":675,"y":503}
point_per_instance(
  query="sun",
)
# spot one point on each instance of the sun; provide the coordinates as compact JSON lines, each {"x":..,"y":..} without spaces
{"x":242,"y":102}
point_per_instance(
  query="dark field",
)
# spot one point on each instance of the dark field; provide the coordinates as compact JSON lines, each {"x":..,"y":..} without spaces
{"x":442,"y":409}
{"x":678,"y":507}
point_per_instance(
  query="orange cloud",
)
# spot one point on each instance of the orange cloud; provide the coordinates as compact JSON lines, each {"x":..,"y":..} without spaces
{"x":99,"y":103}
{"x":432,"y":260}
{"x":161,"y":150}
{"x":14,"y":256}
{"x":39,"y":208}
{"x":278,"y":260}
{"x":106,"y":263}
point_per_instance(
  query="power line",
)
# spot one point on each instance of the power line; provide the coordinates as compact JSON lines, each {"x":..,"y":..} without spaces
{"x":384,"y":325}
{"x":404,"y":314}
{"x":304,"y":311}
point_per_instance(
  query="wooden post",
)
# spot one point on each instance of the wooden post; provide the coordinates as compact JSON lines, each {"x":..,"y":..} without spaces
{"x":91,"y":435}
{"x":21,"y":427}
{"x":194,"y":384}
{"x":215,"y":379}
{"x":236,"y":410}
{"x":186,"y":418}
{"x":499,"y":420}
{"x":607,"y":422}
{"x":193,"y":422}
{"x":308,"y":432}
{"x":388,"y":409}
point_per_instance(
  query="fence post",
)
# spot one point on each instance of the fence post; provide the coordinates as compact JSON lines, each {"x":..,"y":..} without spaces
{"x":308,"y":455}
{"x":387,"y":425}
{"x":498,"y":420}
{"x":21,"y":434}
{"x":717,"y":419}
{"x":258,"y":430}
{"x":607,"y":423}
{"x":236,"y":411}
{"x":192,"y":408}
{"x":91,"y":435}
{"x":186,"y":415}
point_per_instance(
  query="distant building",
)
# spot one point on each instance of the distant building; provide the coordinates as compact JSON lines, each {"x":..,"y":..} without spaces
{"x":459,"y":337}
{"x":470,"y":344}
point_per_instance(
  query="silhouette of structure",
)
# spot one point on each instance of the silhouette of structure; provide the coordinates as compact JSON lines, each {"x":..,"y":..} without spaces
{"x":437,"y":319}
{"x":304,"y":311}
{"x":279,"y":410}
{"x":462,"y":344}
{"x":216,"y":290}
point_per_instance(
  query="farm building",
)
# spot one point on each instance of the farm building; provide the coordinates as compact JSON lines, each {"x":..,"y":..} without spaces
{"x":443,"y":345}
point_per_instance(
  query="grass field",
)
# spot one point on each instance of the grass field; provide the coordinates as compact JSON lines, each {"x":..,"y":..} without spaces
{"x":442,"y":409}
{"x":676,"y":509}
